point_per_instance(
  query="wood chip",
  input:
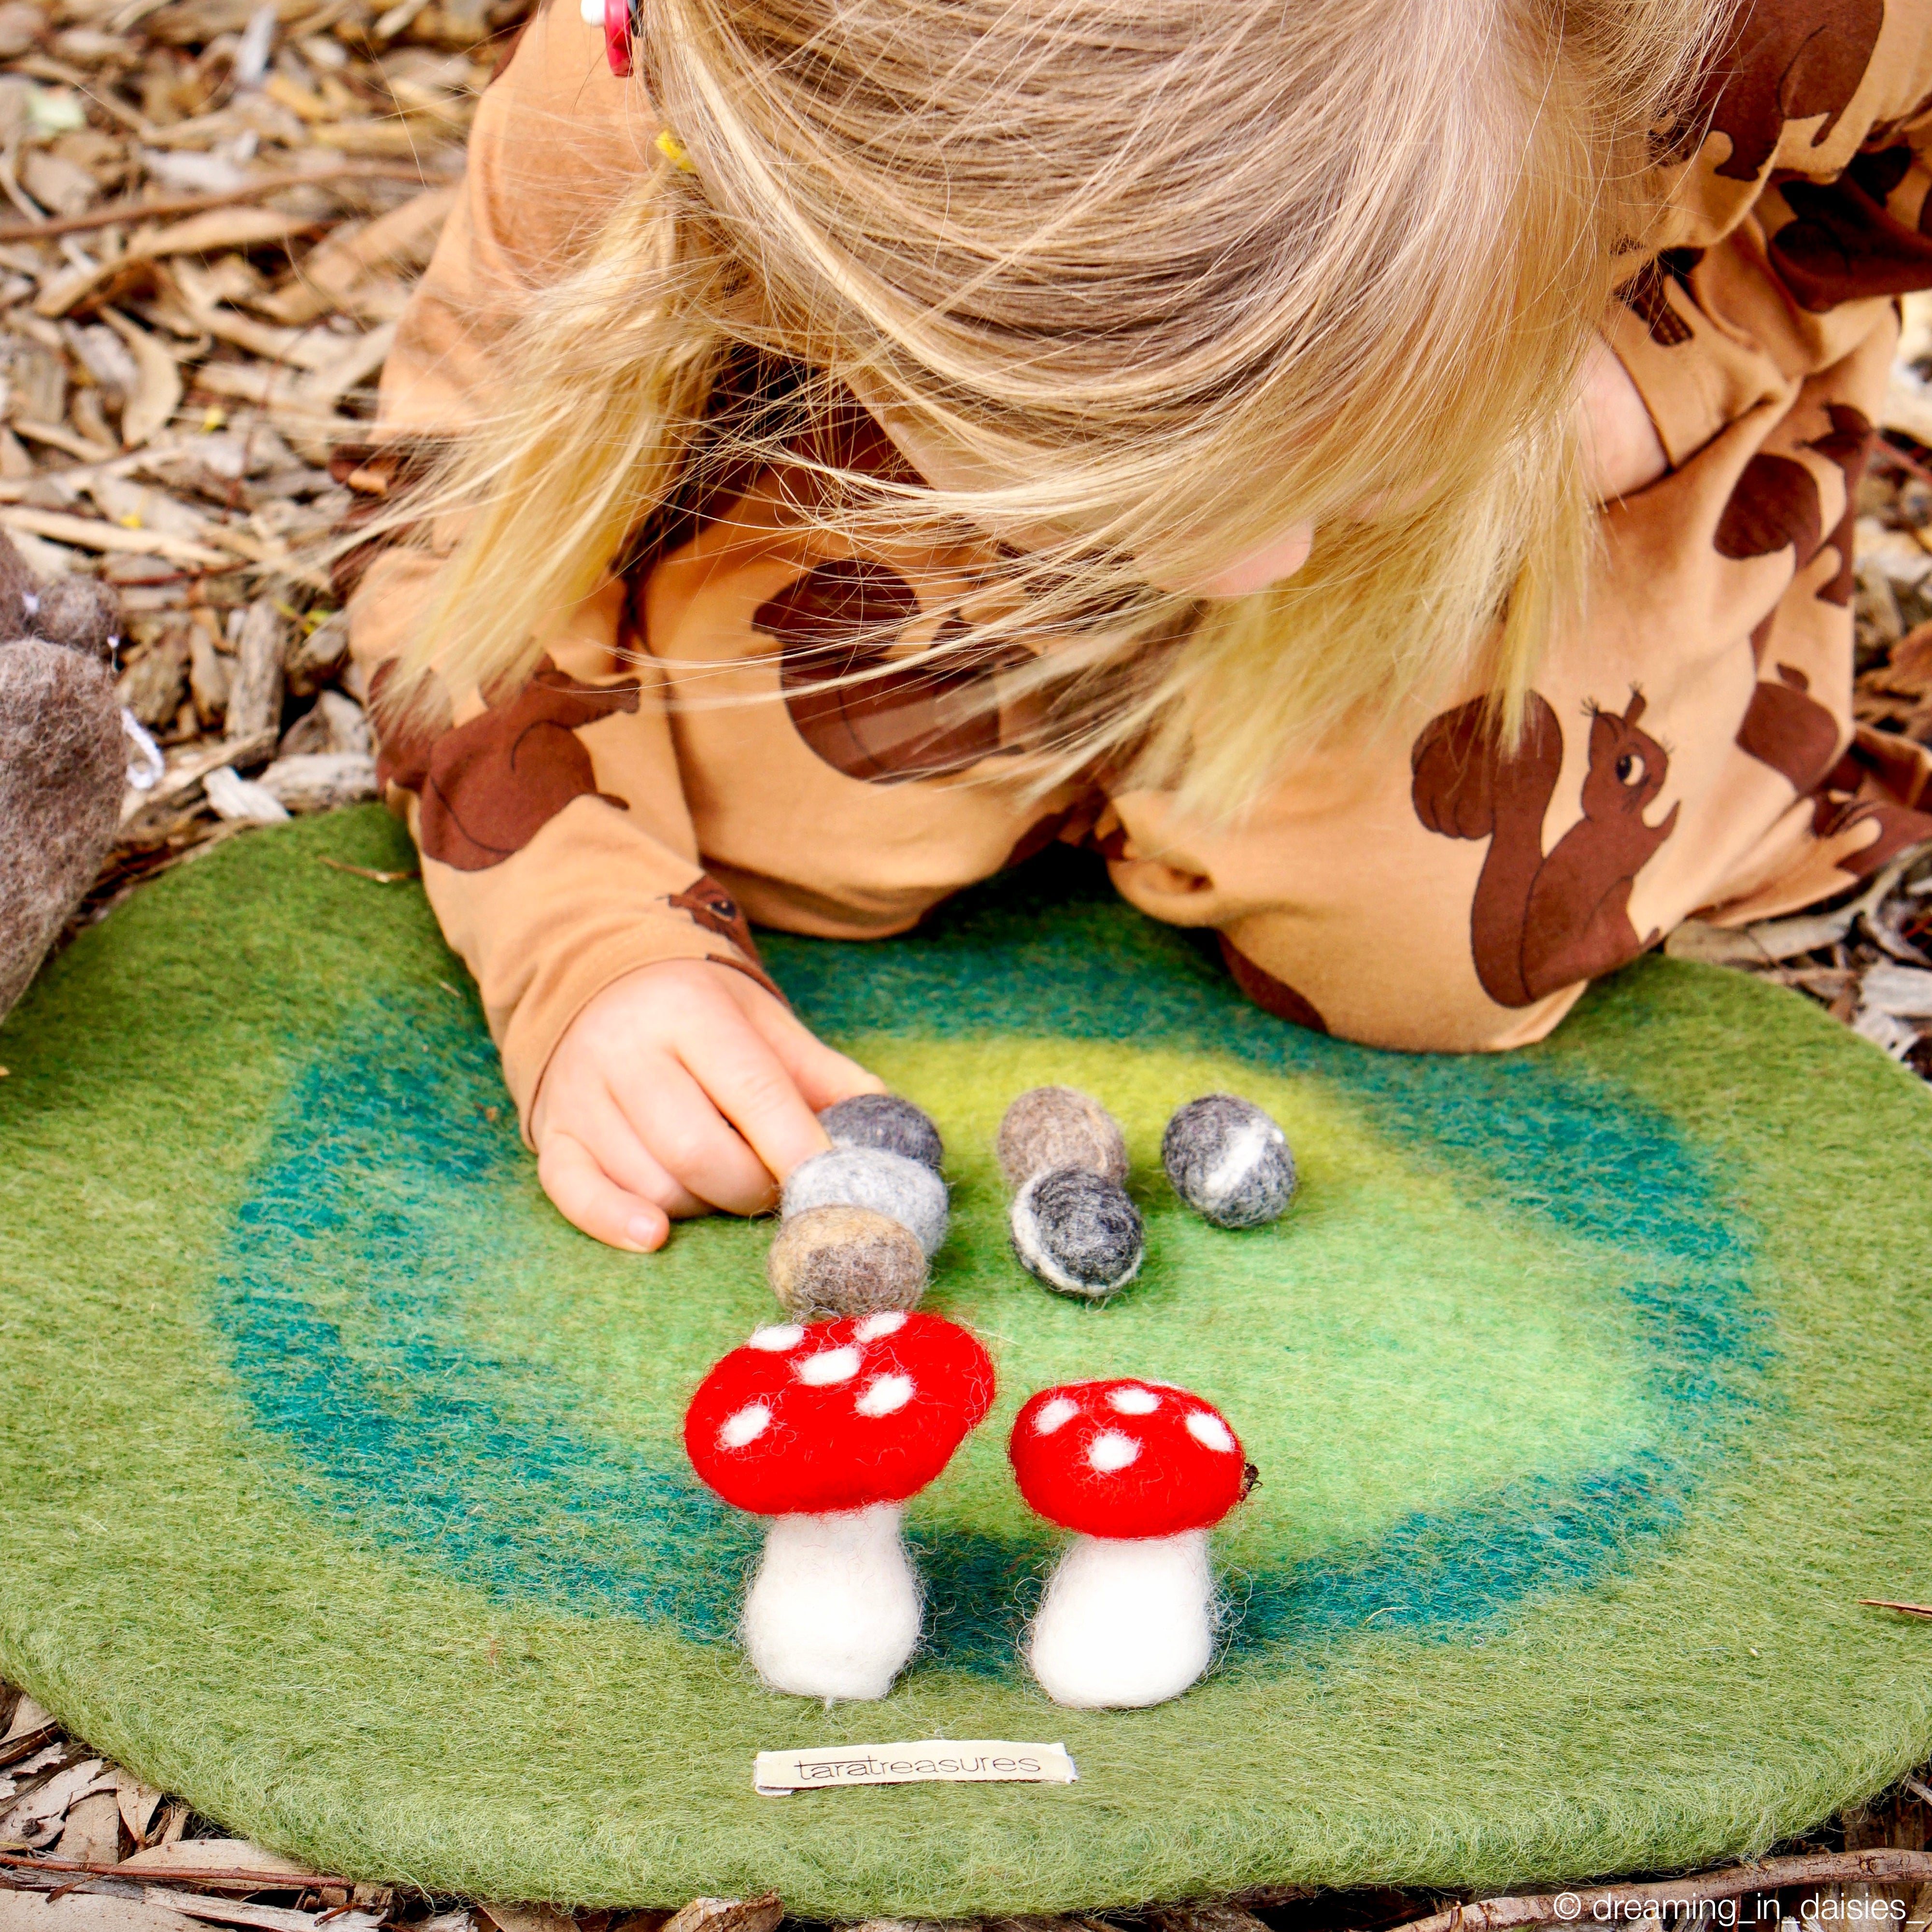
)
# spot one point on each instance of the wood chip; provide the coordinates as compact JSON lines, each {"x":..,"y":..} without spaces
{"x":86,"y":1912}
{"x":202,"y":1856}
{"x":153,"y":404}
{"x":86,"y":534}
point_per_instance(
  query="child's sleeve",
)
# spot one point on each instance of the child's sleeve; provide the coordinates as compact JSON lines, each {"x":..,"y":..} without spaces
{"x":557,"y":849}
{"x":1689,"y":747}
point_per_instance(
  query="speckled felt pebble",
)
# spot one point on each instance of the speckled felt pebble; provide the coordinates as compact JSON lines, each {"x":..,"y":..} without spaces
{"x":1229,"y":1161}
{"x":1049,"y":1127}
{"x":1078,"y":1232}
{"x":907,"y":1191}
{"x":830,"y":1262}
{"x":885,"y":1121}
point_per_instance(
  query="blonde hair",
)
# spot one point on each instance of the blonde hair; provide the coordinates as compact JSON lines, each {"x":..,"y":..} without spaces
{"x":1166,"y":280}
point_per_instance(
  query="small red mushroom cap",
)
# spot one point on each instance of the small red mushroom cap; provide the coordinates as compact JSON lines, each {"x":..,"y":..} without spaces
{"x":807,"y":1419}
{"x":1126,"y":1459}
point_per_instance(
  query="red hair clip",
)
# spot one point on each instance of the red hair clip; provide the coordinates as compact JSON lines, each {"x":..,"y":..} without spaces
{"x":621,"y":24}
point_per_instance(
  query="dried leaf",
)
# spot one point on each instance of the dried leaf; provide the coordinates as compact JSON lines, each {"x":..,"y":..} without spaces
{"x":157,"y":392}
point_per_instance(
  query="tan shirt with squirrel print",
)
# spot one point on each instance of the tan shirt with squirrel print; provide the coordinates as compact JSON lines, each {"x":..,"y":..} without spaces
{"x":1689,"y":750}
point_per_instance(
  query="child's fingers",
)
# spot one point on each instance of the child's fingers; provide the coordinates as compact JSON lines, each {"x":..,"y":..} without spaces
{"x":607,"y":1131}
{"x":679,"y":1121}
{"x":753,"y":1088}
{"x":587,"y":1198}
{"x":823,"y":1074}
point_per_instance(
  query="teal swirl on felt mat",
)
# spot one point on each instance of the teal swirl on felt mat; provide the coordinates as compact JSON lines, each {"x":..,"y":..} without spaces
{"x":341,"y":1489}
{"x":473,"y":1458}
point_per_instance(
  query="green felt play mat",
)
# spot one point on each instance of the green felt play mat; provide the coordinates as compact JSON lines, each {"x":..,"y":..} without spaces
{"x":341,"y":1489}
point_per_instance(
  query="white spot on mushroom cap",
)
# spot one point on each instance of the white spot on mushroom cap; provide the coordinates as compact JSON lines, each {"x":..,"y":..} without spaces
{"x":1110,"y":1451}
{"x":747,"y":1425}
{"x":1209,"y":1431}
{"x":886,"y":1321}
{"x":828,"y":1365}
{"x":1134,"y":1401}
{"x":1056,"y":1414}
{"x":884,"y":1395}
{"x":777,"y":1339}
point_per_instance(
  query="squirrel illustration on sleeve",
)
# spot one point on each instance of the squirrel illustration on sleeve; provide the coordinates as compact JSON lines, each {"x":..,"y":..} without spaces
{"x":1542,"y":921}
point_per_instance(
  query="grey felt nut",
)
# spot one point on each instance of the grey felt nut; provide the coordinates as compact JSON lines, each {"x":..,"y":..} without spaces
{"x":886,"y":1121}
{"x":907,"y":1191}
{"x":1052,"y":1127}
{"x":1228,"y":1161}
{"x":829,"y":1261}
{"x":1077,"y":1231}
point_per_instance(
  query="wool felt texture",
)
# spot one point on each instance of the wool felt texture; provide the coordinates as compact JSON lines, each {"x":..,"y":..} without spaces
{"x":1079,"y":1232}
{"x":1051,"y":1127}
{"x":892,"y":1184}
{"x":834,"y":1609}
{"x":341,"y":1487}
{"x":62,"y":762}
{"x":829,"y":1261}
{"x":1228,"y":1161}
{"x":807,"y":1417}
{"x":1125,"y":1458}
{"x":887,"y":1120}
{"x":1124,"y":1625}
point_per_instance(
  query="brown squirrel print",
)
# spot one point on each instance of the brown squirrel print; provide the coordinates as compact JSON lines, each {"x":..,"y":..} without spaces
{"x":490,"y":786}
{"x":1272,"y":995}
{"x":1783,"y":60}
{"x":1775,"y":505}
{"x":1542,"y":921}
{"x":1647,"y":295}
{"x":907,"y":719}
{"x":713,"y":909}
{"x":1843,"y":243}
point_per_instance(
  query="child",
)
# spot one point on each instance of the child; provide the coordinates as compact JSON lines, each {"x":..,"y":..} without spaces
{"x":1383,"y":473}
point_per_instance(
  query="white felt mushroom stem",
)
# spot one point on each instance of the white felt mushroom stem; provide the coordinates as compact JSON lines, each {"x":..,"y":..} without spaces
{"x":1125,"y":1624}
{"x":834,"y":1611}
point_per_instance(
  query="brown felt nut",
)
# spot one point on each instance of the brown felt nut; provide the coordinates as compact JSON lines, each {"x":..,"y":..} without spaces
{"x":829,"y":1261}
{"x":1053,"y":1127}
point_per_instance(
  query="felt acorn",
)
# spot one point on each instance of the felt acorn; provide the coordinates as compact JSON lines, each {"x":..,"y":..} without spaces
{"x":63,"y":758}
{"x":861,"y":1220}
{"x":1229,"y":1161}
{"x":1140,"y":1471}
{"x":1074,"y":1227}
{"x":828,"y":1430}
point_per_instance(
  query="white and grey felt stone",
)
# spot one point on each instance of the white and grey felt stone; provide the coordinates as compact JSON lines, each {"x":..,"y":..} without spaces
{"x":1229,"y":1161}
{"x":1077,"y":1231}
{"x":885,"y":1121}
{"x":906,"y":1190}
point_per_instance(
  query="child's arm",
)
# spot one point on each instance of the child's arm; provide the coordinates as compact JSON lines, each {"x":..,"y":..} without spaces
{"x":655,"y":1069}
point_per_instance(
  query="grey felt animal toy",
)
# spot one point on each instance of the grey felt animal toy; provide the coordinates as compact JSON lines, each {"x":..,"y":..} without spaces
{"x":63,"y":758}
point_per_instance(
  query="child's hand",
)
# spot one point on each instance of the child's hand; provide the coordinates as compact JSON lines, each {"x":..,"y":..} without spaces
{"x":682,"y":1087}
{"x":1621,"y":441}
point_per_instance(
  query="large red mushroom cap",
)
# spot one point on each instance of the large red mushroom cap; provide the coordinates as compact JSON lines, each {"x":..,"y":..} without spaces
{"x":809,"y":1419}
{"x":1126,"y":1460}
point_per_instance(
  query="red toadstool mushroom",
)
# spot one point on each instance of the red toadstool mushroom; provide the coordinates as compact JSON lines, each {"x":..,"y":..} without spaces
{"x":828,"y":1429}
{"x":1141,"y":1470}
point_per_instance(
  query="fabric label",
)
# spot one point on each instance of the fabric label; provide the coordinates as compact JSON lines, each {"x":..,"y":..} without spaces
{"x":931,"y":1760}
